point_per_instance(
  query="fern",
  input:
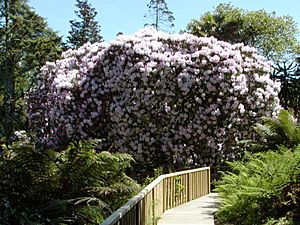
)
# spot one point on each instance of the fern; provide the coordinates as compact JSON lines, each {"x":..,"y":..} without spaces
{"x":272,"y":133}
{"x":264,"y":187}
{"x":257,"y":187}
{"x":76,"y":186}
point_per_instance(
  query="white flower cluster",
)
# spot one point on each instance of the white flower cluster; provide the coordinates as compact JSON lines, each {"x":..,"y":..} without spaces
{"x":156,"y":96}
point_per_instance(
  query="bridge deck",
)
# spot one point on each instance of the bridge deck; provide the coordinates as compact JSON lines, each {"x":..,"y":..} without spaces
{"x":197,"y":212}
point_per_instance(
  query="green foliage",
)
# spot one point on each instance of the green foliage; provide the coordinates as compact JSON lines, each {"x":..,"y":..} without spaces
{"x":77,"y":186}
{"x":85,"y":30}
{"x":149,"y":179}
{"x":275,"y":36}
{"x":280,"y":221}
{"x":283,"y":130}
{"x":264,"y":188}
{"x":261,"y":187}
{"x":160,"y":13}
{"x":26,"y":43}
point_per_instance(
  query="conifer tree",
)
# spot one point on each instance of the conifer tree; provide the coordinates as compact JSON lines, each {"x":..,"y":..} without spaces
{"x":26,"y":43}
{"x":85,"y":30}
{"x":160,"y":13}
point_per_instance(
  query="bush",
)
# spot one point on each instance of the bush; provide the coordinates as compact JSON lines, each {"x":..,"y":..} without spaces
{"x":264,"y":188}
{"x":272,"y":132}
{"x":76,"y":186}
{"x":161,"y":97}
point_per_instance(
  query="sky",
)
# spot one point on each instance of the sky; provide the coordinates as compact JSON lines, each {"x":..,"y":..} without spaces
{"x":127,"y":16}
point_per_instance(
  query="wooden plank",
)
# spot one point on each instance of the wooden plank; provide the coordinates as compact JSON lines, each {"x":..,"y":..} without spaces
{"x":209,"y":179}
{"x":202,"y":184}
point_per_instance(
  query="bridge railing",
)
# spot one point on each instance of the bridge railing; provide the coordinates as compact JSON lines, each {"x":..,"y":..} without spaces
{"x":165,"y":192}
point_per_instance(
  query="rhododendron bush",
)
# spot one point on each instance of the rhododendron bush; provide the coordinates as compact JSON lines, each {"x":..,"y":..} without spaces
{"x":157,"y":96}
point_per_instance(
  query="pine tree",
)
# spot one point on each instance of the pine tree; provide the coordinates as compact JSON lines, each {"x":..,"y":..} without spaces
{"x":85,"y":30}
{"x":26,"y":43}
{"x":159,"y":11}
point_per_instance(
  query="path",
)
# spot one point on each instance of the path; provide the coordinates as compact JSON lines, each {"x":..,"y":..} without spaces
{"x":197,"y":212}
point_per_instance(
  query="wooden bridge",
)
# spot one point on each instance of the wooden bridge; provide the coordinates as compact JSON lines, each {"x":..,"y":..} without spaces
{"x":176,"y":198}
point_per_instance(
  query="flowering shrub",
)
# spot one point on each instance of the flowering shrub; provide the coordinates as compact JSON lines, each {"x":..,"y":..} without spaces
{"x":157,"y":96}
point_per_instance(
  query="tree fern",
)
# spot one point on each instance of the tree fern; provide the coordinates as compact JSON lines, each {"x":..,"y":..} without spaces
{"x":76,"y":186}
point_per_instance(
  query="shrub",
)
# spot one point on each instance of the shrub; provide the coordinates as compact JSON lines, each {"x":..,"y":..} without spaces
{"x":76,"y":186}
{"x":264,"y":188}
{"x":272,"y":132}
{"x":157,"y":96}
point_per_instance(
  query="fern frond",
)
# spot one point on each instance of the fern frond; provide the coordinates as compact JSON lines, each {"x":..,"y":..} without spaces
{"x":88,"y":200}
{"x":76,"y":186}
{"x":271,"y":133}
{"x":256,"y":188}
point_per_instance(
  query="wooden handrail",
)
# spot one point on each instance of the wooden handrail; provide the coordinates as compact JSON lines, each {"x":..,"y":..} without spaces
{"x":165,"y":192}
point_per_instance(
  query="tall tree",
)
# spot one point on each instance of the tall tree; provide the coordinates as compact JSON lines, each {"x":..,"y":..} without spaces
{"x":85,"y":30}
{"x":274,"y":36}
{"x":26,"y":43}
{"x":288,"y":73}
{"x":160,"y":14}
